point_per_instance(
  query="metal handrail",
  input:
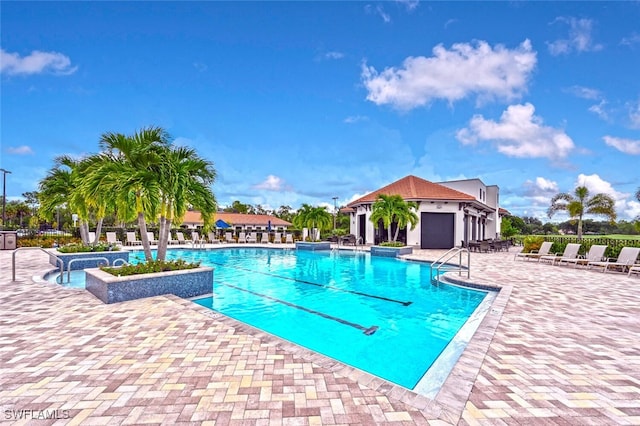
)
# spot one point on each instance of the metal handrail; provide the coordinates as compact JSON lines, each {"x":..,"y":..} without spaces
{"x":80,"y":259}
{"x":450,"y":254}
{"x":13,"y":260}
{"x":124,"y":262}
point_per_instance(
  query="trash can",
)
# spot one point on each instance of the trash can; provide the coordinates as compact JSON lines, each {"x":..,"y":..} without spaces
{"x":8,"y":240}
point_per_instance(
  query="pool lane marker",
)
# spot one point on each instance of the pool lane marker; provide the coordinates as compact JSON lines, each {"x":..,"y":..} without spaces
{"x":386,"y":299}
{"x":366,"y":330}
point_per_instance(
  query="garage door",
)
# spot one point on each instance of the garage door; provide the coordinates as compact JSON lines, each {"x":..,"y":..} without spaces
{"x":437,"y":230}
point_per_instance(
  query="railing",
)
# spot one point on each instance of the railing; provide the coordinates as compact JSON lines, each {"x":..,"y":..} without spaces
{"x":118,"y":261}
{"x":441,"y":263}
{"x":13,"y":260}
{"x":80,"y":259}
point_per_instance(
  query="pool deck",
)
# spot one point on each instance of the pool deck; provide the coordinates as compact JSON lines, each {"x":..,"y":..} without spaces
{"x":560,"y":346}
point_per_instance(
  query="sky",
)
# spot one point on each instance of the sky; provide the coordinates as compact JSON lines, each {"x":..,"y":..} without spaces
{"x":300,"y":102}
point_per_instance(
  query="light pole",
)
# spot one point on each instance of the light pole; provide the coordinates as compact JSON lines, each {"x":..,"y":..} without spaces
{"x":335,"y":208}
{"x":4,"y":194}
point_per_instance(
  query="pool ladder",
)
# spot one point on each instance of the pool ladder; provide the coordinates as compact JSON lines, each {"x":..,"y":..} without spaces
{"x":51,"y":255}
{"x":80,"y":260}
{"x":441,"y":265}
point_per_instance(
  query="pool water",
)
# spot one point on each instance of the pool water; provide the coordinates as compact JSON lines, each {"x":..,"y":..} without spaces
{"x":382,"y":315}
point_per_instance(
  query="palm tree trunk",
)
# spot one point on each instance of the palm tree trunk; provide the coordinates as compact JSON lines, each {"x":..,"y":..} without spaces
{"x":580,"y":227}
{"x":395,"y":236}
{"x":84,"y":231}
{"x":163,"y":238}
{"x":142,"y":224}
{"x":98,"y":230}
{"x":389,"y":233}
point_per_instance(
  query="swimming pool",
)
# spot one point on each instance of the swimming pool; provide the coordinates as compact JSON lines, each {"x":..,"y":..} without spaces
{"x":380,"y":315}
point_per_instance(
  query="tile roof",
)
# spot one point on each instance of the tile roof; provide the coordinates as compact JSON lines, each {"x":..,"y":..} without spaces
{"x":415,"y":188}
{"x":237,"y":219}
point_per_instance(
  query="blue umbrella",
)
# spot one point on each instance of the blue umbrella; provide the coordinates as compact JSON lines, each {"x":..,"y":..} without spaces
{"x":269,"y":226}
{"x":222,"y":224}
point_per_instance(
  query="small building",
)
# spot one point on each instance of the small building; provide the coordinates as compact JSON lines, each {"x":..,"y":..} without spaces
{"x":449,"y":213}
{"x":239,"y":221}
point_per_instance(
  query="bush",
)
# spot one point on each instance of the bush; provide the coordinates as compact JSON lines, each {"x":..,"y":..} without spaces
{"x":151,"y":267}
{"x":82,"y":248}
{"x":392,"y":244}
{"x":531,"y":243}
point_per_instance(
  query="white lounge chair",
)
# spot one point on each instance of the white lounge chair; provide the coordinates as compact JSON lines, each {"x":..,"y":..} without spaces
{"x":288,"y":239}
{"x":92,"y":237}
{"x":536,"y":254}
{"x":252,"y":238}
{"x":635,"y":269}
{"x":196,"y":241}
{"x":242,"y":237}
{"x":212,"y":238}
{"x":277,"y":239}
{"x":228,"y":237}
{"x":626,"y":259}
{"x":132,"y":239}
{"x":112,"y":238}
{"x":180,"y":237}
{"x":151,"y":238}
{"x":264,"y":239}
{"x":570,"y":252}
{"x":595,"y":254}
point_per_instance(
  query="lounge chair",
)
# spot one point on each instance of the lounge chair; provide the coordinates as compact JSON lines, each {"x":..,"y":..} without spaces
{"x":288,"y":239}
{"x":242,"y":237}
{"x":212,"y":238}
{"x":252,"y":238}
{"x":264,"y":238}
{"x":180,"y":238}
{"x":132,"y":239}
{"x":349,"y":239}
{"x":536,"y":254}
{"x":570,"y":253}
{"x":277,"y":239}
{"x":112,"y":238}
{"x":595,"y":254}
{"x":92,"y":237}
{"x":196,"y":241}
{"x":228,"y":237}
{"x":626,"y":259}
{"x":151,"y":238}
{"x":635,"y":269}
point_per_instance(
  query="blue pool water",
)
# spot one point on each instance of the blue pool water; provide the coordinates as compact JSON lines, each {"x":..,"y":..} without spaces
{"x":378,"y":314}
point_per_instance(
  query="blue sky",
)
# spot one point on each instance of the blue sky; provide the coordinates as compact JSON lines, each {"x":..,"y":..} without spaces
{"x":299,"y":102}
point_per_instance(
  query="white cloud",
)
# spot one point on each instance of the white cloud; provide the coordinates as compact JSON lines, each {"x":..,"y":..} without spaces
{"x":497,"y":72}
{"x":546,"y":185}
{"x":378,"y":10}
{"x":37,"y":62}
{"x":632,"y":40}
{"x":519,"y":133}
{"x":634,"y":115}
{"x":596,"y":185}
{"x":632,"y":209}
{"x":334,"y":55}
{"x":628,"y":146}
{"x":20,"y":150}
{"x":271,"y":183}
{"x":600,"y":110}
{"x":409,"y":4}
{"x":585,"y":92}
{"x":579,"y":38}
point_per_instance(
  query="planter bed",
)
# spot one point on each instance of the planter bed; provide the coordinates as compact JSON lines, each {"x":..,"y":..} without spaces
{"x":322,"y":245}
{"x":184,"y":283}
{"x":390,"y":251}
{"x":83,"y":264}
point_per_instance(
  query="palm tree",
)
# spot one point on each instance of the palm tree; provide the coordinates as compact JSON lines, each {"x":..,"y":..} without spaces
{"x":312,"y":217}
{"x":580,"y":203}
{"x":392,"y":208}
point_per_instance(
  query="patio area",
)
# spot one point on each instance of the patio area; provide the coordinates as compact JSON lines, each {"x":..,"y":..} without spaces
{"x":559,"y":346}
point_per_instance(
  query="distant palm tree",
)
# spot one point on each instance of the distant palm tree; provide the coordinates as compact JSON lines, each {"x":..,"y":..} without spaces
{"x":312,"y":217}
{"x":392,"y":208}
{"x":580,"y":203}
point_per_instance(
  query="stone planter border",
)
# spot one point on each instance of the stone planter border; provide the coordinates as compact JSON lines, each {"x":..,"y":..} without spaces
{"x":390,"y":251}
{"x":184,"y":283}
{"x":321,"y":245}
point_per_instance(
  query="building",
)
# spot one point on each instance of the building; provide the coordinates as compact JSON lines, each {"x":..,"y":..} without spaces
{"x":449,"y":213}
{"x":239,"y":221}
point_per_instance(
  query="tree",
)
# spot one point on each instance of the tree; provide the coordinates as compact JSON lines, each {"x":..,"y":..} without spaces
{"x":392,"y":208}
{"x":285,"y":213}
{"x":579,"y":204}
{"x":506,"y":228}
{"x":312,"y":217}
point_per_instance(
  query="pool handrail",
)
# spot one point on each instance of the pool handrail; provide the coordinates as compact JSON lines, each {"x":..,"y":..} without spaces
{"x":13,"y":260}
{"x":450,"y":254}
{"x":80,"y":259}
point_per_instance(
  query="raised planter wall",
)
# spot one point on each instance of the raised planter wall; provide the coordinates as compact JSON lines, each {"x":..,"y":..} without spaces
{"x":322,"y":245}
{"x":185,"y":283}
{"x":84,"y":264}
{"x":390,"y":251}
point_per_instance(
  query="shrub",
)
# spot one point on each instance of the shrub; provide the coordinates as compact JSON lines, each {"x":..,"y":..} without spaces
{"x":392,"y":244}
{"x":150,"y":267}
{"x":532,"y":242}
{"x":83,"y":248}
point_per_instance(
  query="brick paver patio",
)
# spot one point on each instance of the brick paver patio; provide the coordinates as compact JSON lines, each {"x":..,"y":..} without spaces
{"x":559,"y":346}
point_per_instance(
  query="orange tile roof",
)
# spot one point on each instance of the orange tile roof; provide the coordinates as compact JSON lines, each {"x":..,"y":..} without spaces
{"x":414,"y":188}
{"x":237,"y":219}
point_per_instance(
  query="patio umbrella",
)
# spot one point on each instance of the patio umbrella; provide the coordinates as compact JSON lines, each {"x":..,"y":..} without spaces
{"x":269,"y":226}
{"x":222,"y":224}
